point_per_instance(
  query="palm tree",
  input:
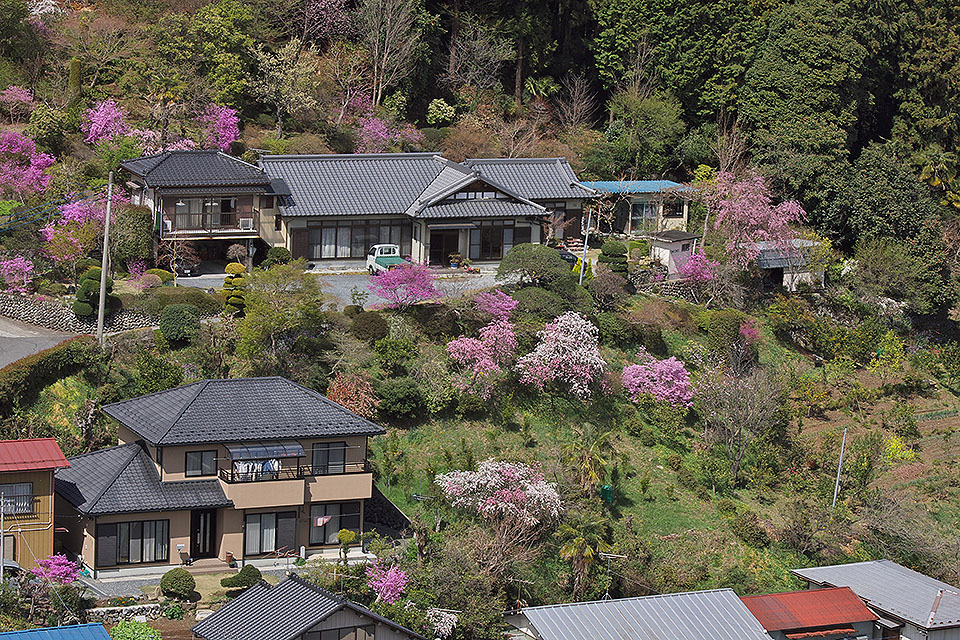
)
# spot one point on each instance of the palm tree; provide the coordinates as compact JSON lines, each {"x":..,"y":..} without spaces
{"x":591,"y":453}
{"x":582,"y":538}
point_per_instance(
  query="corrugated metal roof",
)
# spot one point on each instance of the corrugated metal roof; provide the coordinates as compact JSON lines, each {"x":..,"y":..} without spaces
{"x":773,"y":256}
{"x":92,"y":631}
{"x":805,"y":609}
{"x":32,"y":454}
{"x":635,"y":186}
{"x":894,"y":590}
{"x":482,"y":209}
{"x":194,"y":169}
{"x":533,"y":178}
{"x":699,"y":615}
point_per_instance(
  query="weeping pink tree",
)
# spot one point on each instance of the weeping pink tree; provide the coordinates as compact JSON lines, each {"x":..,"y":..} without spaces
{"x":699,"y":272}
{"x":664,"y":380}
{"x":568,"y":355}
{"x":495,"y":348}
{"x":22,"y":167}
{"x":405,"y":286}
{"x":746,"y":216}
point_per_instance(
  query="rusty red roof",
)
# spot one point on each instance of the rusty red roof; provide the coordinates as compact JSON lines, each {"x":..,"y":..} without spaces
{"x":35,"y":454}
{"x":813,"y":608}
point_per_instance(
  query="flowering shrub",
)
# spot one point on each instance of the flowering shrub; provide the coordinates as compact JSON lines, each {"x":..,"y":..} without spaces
{"x":78,"y":229}
{"x":221,"y":127}
{"x":56,"y":568}
{"x":17,"y":273}
{"x":104,"y":121}
{"x":443,"y":622}
{"x":354,"y":392}
{"x":568,"y":353}
{"x":749,"y":333}
{"x":17,"y":100}
{"x":503,"y":490}
{"x":665,"y":380}
{"x":405,"y":286}
{"x":439,"y":113}
{"x":388,"y":583}
{"x":496,"y":347}
{"x":698,"y":268}
{"x":377,"y":135}
{"x":495,"y":303}
{"x":22,"y":166}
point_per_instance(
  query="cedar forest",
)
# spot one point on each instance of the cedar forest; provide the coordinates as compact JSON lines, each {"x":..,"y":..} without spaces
{"x":538,"y":424}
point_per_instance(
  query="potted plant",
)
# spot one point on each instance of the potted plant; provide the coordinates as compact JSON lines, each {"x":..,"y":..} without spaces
{"x":455,"y":260}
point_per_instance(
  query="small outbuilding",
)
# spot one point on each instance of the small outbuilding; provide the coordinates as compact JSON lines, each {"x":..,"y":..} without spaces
{"x":821,"y":614}
{"x":645,"y":206}
{"x":672,"y":249}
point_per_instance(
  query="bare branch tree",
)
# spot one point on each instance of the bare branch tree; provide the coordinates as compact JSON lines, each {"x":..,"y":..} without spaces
{"x":390,"y":31}
{"x":578,"y":104}
{"x":346,"y":67}
{"x":731,"y":147}
{"x":478,"y":57}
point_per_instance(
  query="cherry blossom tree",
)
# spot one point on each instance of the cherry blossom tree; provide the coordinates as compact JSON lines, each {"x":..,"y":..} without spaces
{"x":378,"y":135}
{"x":698,"y":268}
{"x":665,"y":380}
{"x":17,"y":273}
{"x":495,"y":303}
{"x":568,"y":354}
{"x":78,"y":230}
{"x":221,"y":127}
{"x":354,"y":392}
{"x":106,"y":120}
{"x":388,"y":583}
{"x":405,"y":285}
{"x":17,"y":100}
{"x":57,"y":568}
{"x":746,"y":215}
{"x":22,"y":167}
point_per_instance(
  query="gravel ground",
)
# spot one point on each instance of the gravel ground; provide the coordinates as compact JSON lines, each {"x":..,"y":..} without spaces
{"x":122,"y":587}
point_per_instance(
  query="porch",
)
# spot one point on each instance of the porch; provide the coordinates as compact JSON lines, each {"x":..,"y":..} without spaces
{"x":200,"y":226}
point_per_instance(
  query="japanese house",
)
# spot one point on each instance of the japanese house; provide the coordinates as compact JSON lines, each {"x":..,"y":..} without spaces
{"x":229,"y":469}
{"x":642,"y":207}
{"x":824,"y":614}
{"x":295,"y":609}
{"x":26,"y":493}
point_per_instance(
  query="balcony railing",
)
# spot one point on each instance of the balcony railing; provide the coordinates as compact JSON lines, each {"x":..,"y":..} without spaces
{"x":211,"y":223}
{"x":232,"y":476}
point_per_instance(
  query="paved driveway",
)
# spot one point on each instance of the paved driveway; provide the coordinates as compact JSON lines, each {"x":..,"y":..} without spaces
{"x":18,"y":340}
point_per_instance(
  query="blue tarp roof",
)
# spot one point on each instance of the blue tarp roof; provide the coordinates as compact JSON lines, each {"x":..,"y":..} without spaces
{"x":634,"y":186}
{"x":93,"y":631}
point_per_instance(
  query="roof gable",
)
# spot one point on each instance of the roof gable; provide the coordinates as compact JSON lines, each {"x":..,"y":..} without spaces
{"x":259,"y":409}
{"x":808,"y":609}
{"x":195,"y":169}
{"x":32,"y":454}
{"x":535,"y":178}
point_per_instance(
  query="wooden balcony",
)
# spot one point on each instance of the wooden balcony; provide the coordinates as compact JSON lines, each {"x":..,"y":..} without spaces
{"x":193,"y":226}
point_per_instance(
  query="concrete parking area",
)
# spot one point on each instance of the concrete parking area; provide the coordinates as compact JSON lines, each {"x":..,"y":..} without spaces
{"x":18,"y":340}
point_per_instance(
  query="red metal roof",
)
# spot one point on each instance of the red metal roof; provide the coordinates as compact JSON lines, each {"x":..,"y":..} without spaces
{"x":808,"y":609}
{"x":35,"y":454}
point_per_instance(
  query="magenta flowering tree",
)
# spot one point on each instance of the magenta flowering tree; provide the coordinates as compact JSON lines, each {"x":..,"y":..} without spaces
{"x":17,"y":273}
{"x":106,"y":120}
{"x":698,"y":268}
{"x":17,"y":100}
{"x":388,"y":583}
{"x":221,"y":127}
{"x":749,"y":333}
{"x":493,"y":350}
{"x":78,"y":230}
{"x":747,"y":216}
{"x":57,"y":568}
{"x":495,"y":303}
{"x":22,"y":167}
{"x":665,"y":380}
{"x":377,"y":135}
{"x":405,"y":285}
{"x":568,"y":354}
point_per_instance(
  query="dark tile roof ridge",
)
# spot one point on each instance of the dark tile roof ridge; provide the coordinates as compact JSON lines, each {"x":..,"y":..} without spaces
{"x":236,"y":159}
{"x":348,"y":156}
{"x":136,"y":449}
{"x":469,"y":161}
{"x":105,"y":407}
{"x":200,"y":387}
{"x":263,"y":584}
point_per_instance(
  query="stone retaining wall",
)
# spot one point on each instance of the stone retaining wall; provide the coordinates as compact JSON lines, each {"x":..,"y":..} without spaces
{"x":54,"y":314}
{"x":113,"y":615}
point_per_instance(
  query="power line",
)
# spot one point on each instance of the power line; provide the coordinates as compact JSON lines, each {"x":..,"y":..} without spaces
{"x":52,"y":210}
{"x":19,"y":214}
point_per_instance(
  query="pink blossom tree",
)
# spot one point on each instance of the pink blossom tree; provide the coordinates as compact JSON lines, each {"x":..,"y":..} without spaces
{"x":493,"y":350}
{"x":17,"y":273}
{"x":221,"y":127}
{"x":405,"y":285}
{"x":495,"y":303}
{"x":106,"y":120}
{"x":22,"y":167}
{"x":78,"y":230}
{"x":377,"y":135}
{"x":665,"y":380}
{"x":698,"y":268}
{"x":57,"y":568}
{"x":747,"y":216}
{"x":388,"y":583}
{"x":17,"y":100}
{"x":568,"y":354}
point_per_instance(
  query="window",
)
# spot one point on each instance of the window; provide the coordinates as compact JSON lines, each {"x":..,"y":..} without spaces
{"x":352,"y":239}
{"x":685,"y":246}
{"x":269,"y":532}
{"x":10,"y":548}
{"x":277,"y":222}
{"x":643,"y":215}
{"x":133,"y":542}
{"x":267,"y":202}
{"x":521,"y":235}
{"x":17,"y":498}
{"x":201,"y":463}
{"x":327,"y":518}
{"x":329,"y":457}
{"x":365,"y":632}
{"x":491,"y":240}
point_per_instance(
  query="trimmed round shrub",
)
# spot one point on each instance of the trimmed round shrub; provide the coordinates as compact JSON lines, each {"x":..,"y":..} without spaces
{"x":164,"y":275}
{"x":248,"y":576}
{"x":436,"y":319}
{"x":369,"y":326}
{"x":540,"y":302}
{"x":616,"y":330}
{"x":614,"y":254}
{"x":401,"y":399}
{"x":746,"y":526}
{"x":150,"y":281}
{"x":82,"y":309}
{"x":85,"y":263}
{"x":180,"y":322}
{"x":235,"y":268}
{"x":613,"y":248}
{"x":276,"y":255}
{"x":178,"y":583}
{"x":351,"y":310}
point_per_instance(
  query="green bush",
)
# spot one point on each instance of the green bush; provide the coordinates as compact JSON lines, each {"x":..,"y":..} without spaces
{"x":746,"y":526}
{"x":471,"y":406}
{"x":122,"y":601}
{"x":352,"y":310}
{"x":723,"y":331}
{"x":613,"y":248}
{"x":130,"y":630}
{"x":83,"y":264}
{"x":22,"y":380}
{"x":540,"y":302}
{"x":82,"y":309}
{"x":153,"y":301}
{"x":276,"y":255}
{"x":178,"y":583}
{"x":235,"y":268}
{"x":174,"y":612}
{"x":88,"y":293}
{"x":394,"y":354}
{"x":534,"y":264}
{"x":613,"y":253}
{"x":616,"y":330}
{"x":248,"y":576}
{"x":369,"y":326}
{"x":164,"y":275}
{"x":401,"y":399}
{"x":180,"y":322}
{"x":436,"y":319}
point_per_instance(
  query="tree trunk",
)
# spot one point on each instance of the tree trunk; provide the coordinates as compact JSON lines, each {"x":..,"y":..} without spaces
{"x":279,"y":122}
{"x":454,"y":35}
{"x":518,"y":79}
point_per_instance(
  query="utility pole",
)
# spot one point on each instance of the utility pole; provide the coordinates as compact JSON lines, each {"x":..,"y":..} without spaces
{"x":3,"y":532}
{"x":105,"y":261}
{"x":836,"y":487}
{"x":586,"y":238}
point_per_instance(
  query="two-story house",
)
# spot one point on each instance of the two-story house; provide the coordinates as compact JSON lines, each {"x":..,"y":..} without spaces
{"x":240,"y":468}
{"x":26,"y":496}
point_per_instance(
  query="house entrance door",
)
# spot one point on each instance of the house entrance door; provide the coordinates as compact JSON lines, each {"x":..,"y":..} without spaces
{"x":442,"y":244}
{"x":203,"y":533}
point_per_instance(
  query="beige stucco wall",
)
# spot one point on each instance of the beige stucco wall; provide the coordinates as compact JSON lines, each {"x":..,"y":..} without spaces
{"x":179,"y":534}
{"x":340,"y":487}
{"x":268,"y":232}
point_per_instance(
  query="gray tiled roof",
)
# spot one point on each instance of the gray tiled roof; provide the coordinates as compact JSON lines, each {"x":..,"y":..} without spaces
{"x":237,"y":410}
{"x":279,"y":612}
{"x":357,"y":184}
{"x":892,"y":589}
{"x":697,"y":615}
{"x":482,"y":209}
{"x":194,"y":169}
{"x":124,"y":479}
{"x":535,"y":178}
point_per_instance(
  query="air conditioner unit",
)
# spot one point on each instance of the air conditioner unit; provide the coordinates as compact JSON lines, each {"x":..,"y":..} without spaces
{"x":168,"y":225}
{"x":246,"y":224}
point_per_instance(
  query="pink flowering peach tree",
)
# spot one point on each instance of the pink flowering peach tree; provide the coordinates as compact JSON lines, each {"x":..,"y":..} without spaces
{"x":568,"y":355}
{"x":16,"y":274}
{"x":22,"y":167}
{"x":57,"y":568}
{"x":664,"y":380}
{"x":405,"y":285}
{"x":388,"y":583}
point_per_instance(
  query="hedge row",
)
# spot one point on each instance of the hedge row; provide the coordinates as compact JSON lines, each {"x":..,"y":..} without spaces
{"x":21,"y":381}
